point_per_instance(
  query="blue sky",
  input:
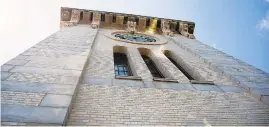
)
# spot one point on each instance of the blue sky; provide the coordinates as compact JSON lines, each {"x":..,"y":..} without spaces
{"x":237,"y":27}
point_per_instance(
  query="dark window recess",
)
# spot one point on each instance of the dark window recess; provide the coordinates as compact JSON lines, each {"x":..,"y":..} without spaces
{"x":191,"y":29}
{"x":177,"y":26}
{"x":81,"y":15}
{"x":114,"y":19}
{"x":125,"y":19}
{"x":158,"y":23}
{"x":147,"y":22}
{"x":103,"y":17}
{"x":137,"y":20}
{"x":152,"y":67}
{"x":121,"y":65}
{"x":180,"y":68}
{"x":91,"y":16}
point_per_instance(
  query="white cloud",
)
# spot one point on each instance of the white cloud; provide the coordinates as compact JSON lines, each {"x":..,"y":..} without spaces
{"x":264,"y":23}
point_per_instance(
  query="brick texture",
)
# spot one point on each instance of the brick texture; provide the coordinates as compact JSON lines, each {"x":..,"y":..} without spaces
{"x":21,"y":98}
{"x":114,"y":105}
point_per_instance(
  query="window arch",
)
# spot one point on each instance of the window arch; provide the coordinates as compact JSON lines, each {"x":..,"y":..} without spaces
{"x":145,"y":54}
{"x":172,"y":58}
{"x":121,"y":64}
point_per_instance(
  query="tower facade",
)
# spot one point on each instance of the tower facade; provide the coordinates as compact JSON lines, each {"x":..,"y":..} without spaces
{"x":106,"y":68}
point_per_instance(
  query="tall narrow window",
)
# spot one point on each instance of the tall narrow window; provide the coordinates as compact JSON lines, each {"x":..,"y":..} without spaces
{"x":121,"y":65}
{"x":168,"y":55}
{"x":152,"y":67}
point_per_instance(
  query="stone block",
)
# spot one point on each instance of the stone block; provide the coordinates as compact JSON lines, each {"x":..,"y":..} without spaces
{"x":37,"y":87}
{"x":250,"y":85}
{"x":96,"y":81}
{"x":76,"y":62}
{"x":231,"y":89}
{"x":133,"y":83}
{"x":176,"y":86}
{"x":17,"y":62}
{"x":6,"y":67}
{"x":4,"y":75}
{"x":36,"y":70}
{"x":201,"y":87}
{"x":149,"y":84}
{"x":56,"y":100}
{"x":16,"y":113}
{"x":265,"y":99}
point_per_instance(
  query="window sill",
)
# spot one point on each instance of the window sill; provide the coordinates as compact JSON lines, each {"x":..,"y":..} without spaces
{"x":165,"y":80}
{"x":128,"y":77}
{"x":202,"y":82}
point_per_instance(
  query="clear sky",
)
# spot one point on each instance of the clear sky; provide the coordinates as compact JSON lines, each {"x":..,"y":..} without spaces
{"x":237,"y":27}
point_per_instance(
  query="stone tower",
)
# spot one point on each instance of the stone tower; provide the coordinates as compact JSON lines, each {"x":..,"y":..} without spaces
{"x":105,"y":68}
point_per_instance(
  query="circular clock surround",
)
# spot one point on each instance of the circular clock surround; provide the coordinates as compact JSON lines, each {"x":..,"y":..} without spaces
{"x":136,"y":38}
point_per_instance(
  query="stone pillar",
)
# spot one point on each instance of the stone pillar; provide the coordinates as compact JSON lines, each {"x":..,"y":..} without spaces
{"x":168,"y":69}
{"x":75,"y":17}
{"x":108,"y":18}
{"x":138,"y":63}
{"x":142,"y":24}
{"x":86,"y":17}
{"x":119,"y":21}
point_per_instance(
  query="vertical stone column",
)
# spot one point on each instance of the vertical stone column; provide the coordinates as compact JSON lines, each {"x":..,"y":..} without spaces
{"x":142,"y":24}
{"x":119,"y":20}
{"x":168,"y":69}
{"x":138,"y":63}
{"x":86,"y":17}
{"x":108,"y":18}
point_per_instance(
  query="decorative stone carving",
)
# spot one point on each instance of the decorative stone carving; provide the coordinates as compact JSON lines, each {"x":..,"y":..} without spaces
{"x":166,"y":28}
{"x":96,"y":20}
{"x":65,"y":15}
{"x":183,"y":29}
{"x":75,"y":16}
{"x":131,"y":26}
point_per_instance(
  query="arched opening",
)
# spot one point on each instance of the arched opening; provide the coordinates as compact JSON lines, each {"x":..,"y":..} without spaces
{"x":172,"y":58}
{"x":146,"y":54}
{"x":121,"y":64}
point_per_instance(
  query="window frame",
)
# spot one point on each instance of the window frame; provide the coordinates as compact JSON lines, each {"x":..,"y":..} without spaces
{"x":121,"y":65}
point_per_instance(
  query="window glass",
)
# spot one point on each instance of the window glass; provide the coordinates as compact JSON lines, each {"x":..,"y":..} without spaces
{"x":121,"y":65}
{"x":152,"y":67}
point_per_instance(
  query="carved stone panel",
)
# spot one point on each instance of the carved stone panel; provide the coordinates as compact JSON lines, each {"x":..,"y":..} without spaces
{"x":184,"y":30}
{"x":75,"y":17}
{"x":65,"y":15}
{"x":96,"y":20}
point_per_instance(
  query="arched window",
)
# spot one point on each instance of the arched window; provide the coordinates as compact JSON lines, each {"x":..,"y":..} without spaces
{"x":146,"y":54}
{"x":169,"y":56}
{"x":152,"y":67}
{"x":121,"y":65}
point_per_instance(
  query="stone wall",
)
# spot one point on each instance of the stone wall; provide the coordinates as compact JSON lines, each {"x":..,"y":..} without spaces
{"x":38,"y":85}
{"x":123,"y":105}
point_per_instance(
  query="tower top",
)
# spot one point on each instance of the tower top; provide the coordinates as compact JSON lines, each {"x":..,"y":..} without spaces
{"x":104,"y":19}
